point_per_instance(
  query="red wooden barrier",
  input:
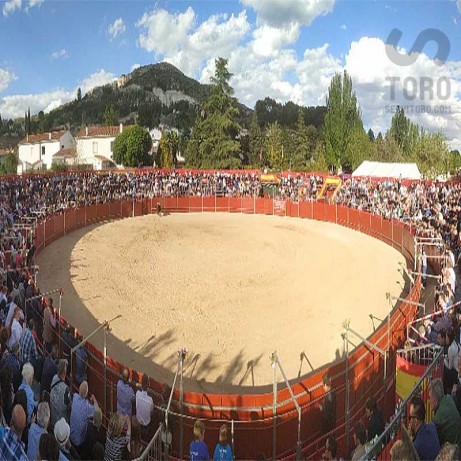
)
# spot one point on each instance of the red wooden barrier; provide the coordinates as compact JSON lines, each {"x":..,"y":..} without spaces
{"x":363,"y":363}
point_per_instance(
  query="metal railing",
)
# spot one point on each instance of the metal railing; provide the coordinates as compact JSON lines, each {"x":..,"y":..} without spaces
{"x":432,"y":355}
{"x":153,"y":450}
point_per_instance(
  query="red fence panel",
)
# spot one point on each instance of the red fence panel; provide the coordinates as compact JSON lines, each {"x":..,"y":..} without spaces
{"x":91,"y":214}
{"x":195,"y":204}
{"x":171,"y":204}
{"x":319,"y":211}
{"x":398,"y":235}
{"x":280,"y":207}
{"x":103,"y":211}
{"x":376,"y":226}
{"x":115,"y":209}
{"x":248,"y":205}
{"x":39,"y":236}
{"x":80,"y":220}
{"x":70,"y":222}
{"x":365,"y":222}
{"x":183,"y":205}
{"x":306,"y":210}
{"x":259,"y":205}
{"x":268,"y":206}
{"x":209,"y":203}
{"x":293,"y":209}
{"x":330,"y":213}
{"x":222,"y":204}
{"x":58,"y":226}
{"x":235,"y":205}
{"x":343,"y":215}
{"x":127,"y":209}
{"x":49,"y":231}
{"x":354,"y":219}
{"x":138,"y":208}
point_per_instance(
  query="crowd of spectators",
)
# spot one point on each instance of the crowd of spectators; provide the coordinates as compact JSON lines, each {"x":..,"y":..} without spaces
{"x":39,"y":411}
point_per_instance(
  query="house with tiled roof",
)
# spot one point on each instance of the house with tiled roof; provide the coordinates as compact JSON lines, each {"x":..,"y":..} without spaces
{"x":37,"y":150}
{"x":95,"y":145}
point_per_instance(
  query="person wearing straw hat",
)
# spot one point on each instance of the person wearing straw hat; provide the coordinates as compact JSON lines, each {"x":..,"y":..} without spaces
{"x":62,"y":436}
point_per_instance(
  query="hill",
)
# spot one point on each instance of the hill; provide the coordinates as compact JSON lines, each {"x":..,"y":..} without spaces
{"x":150,"y":95}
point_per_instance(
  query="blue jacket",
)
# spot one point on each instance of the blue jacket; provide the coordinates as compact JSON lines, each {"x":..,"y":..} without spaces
{"x":426,"y":442}
{"x":199,"y":451}
{"x":223,"y":453}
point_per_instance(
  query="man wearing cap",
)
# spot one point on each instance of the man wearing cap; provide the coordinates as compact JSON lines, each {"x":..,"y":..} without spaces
{"x":82,"y":411}
{"x":62,"y":434}
{"x":11,"y":447}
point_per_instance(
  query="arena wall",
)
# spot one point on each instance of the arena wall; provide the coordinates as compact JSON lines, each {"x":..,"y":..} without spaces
{"x":251,"y":416}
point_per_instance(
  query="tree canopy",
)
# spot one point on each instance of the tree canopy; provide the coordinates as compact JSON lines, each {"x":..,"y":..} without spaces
{"x":214,"y":141}
{"x":132,"y":147}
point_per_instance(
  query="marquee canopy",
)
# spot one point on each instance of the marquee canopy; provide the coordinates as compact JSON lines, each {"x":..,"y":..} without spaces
{"x":388,"y":170}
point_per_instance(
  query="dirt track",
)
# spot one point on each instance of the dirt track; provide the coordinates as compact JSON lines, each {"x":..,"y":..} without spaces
{"x":230,"y":288}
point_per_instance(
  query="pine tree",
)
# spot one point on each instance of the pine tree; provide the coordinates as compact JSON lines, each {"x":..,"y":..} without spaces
{"x":256,"y":142}
{"x":343,"y":122}
{"x":213,"y":143}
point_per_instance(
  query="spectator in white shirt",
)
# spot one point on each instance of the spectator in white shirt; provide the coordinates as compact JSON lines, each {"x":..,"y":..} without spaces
{"x":16,"y":328}
{"x":145,"y":410}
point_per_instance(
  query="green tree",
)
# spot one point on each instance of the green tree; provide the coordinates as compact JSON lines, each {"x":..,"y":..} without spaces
{"x":432,"y":155}
{"x":110,"y":117}
{"x":371,"y":135}
{"x":79,"y":94}
{"x":404,"y":132}
{"x":454,"y":162}
{"x":168,"y":149}
{"x":342,"y":120}
{"x":301,"y":151}
{"x":132,"y":147}
{"x":41,"y":122}
{"x":10,"y":166}
{"x":214,"y":136}
{"x":274,"y":146}
{"x":256,"y":148}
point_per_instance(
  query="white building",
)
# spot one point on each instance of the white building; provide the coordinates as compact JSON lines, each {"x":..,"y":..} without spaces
{"x":95,"y":145}
{"x":36,"y":151}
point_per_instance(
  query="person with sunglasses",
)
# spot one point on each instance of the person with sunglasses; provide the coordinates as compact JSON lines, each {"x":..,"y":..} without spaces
{"x":425,"y":437}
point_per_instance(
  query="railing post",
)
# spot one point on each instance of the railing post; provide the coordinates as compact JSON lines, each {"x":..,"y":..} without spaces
{"x":105,"y":370}
{"x":274,"y":410}
{"x":346,"y":403}
{"x":181,"y":409}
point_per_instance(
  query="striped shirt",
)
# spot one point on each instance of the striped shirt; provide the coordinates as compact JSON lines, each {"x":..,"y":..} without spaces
{"x":115,"y":447}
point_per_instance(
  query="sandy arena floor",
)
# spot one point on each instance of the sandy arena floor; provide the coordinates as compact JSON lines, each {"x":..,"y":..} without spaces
{"x":230,"y":288}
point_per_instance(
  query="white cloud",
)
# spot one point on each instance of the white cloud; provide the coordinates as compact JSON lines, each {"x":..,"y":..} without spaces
{"x":33,"y":3}
{"x":6,"y":77}
{"x":117,"y":28}
{"x":268,"y":40}
{"x":99,"y":78}
{"x":458,"y":4}
{"x":343,"y":27}
{"x":281,"y":12}
{"x":135,"y":66}
{"x":61,"y":54}
{"x":381,"y":85}
{"x":13,"y":106}
{"x":10,"y":6}
{"x":186,"y":45}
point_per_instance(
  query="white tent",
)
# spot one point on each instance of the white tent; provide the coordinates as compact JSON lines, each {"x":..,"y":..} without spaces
{"x":388,"y":170}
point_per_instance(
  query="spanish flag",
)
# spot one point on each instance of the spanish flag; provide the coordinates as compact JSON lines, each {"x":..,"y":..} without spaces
{"x":407,"y":375}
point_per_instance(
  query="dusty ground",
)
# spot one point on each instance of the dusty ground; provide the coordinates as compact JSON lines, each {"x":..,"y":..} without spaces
{"x":230,"y":288}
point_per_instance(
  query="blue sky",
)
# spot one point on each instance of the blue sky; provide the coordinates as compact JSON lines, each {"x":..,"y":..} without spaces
{"x":285,"y":49}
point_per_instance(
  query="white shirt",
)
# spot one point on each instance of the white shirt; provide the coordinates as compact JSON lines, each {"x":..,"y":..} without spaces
{"x":16,"y":332}
{"x":144,"y":407}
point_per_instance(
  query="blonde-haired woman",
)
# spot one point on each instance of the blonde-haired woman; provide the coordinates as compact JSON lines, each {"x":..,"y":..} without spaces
{"x":198,"y":448}
{"x":116,"y":442}
{"x":223,"y":451}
